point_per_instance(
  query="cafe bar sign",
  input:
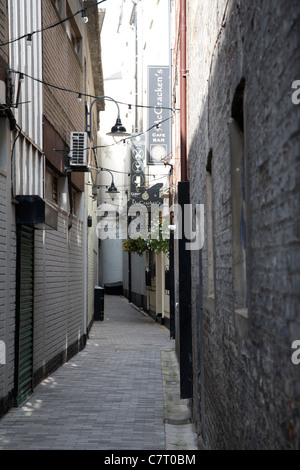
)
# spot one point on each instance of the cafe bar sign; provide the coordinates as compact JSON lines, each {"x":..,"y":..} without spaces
{"x":159,"y":115}
{"x":140,"y":193}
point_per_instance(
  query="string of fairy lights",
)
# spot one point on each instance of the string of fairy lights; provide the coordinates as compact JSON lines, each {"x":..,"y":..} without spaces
{"x":129,"y":105}
{"x":79,"y":94}
{"x":29,"y":35}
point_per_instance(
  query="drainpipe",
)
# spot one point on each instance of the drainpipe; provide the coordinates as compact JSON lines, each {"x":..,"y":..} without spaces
{"x":183,"y":72}
{"x":70,"y":200}
{"x":184,"y":256}
{"x":85,"y":274}
{"x":136,"y":70}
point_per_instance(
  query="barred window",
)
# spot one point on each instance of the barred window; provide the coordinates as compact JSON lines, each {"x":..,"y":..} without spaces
{"x":52,"y":186}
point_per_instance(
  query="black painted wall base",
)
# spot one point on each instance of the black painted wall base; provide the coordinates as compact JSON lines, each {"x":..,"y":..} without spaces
{"x":141,"y":302}
{"x":6,"y":404}
{"x":185,"y":318}
{"x":137,"y":299}
{"x":57,"y":361}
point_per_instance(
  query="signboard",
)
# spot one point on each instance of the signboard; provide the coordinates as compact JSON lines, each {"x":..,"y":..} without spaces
{"x":159,"y":114}
{"x":139,"y":193}
{"x":137,"y":170}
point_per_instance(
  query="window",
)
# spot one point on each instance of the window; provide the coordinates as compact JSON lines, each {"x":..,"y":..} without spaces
{"x":152,"y":265}
{"x":60,"y":7}
{"x":64,"y":10}
{"x":3,"y":143}
{"x":74,"y":202}
{"x":73,"y":32}
{"x":238,"y":198}
{"x":52,"y":186}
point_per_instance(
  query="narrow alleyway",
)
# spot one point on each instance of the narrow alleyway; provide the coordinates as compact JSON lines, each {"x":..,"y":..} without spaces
{"x":115,"y":394}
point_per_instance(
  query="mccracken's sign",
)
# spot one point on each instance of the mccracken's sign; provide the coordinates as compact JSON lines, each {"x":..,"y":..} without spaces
{"x":159,"y":115}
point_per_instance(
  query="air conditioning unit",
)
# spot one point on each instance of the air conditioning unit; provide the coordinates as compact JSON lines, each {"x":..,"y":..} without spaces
{"x":79,"y":149}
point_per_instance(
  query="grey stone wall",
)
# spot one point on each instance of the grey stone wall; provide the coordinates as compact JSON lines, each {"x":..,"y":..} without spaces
{"x":246,"y":388}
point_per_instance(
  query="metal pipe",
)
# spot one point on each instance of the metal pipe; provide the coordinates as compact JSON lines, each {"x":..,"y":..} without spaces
{"x":85,"y":274}
{"x":183,"y":71}
{"x":105,"y":98}
{"x":88,"y":124}
{"x":111,"y":174}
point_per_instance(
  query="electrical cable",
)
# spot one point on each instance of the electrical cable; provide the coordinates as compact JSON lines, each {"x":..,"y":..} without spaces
{"x":130,"y":137}
{"x":76,"y":92}
{"x":26,"y":35}
{"x":115,"y":143}
{"x":125,"y":187}
{"x":80,"y":93}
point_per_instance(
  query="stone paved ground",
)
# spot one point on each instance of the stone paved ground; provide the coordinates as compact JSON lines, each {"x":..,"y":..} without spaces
{"x":109,"y":396}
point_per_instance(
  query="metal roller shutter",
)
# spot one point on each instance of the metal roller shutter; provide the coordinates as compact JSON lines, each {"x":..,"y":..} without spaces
{"x":25,"y":343}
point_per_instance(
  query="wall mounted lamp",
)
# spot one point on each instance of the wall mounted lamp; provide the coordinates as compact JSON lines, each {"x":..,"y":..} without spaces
{"x":112,"y":190}
{"x":118,"y":130}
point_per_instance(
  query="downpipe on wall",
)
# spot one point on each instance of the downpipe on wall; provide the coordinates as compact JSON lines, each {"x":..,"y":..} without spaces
{"x":184,"y":256}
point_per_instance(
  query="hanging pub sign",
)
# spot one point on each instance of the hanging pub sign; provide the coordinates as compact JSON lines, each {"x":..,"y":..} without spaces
{"x":137,"y":170}
{"x":159,"y":114}
{"x":140,"y":193}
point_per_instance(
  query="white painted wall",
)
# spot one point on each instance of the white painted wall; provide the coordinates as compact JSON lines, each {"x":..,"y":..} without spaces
{"x":119,"y":58}
{"x":118,"y":66}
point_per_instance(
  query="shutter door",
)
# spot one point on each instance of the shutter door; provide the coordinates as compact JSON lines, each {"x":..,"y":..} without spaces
{"x":25,"y":353}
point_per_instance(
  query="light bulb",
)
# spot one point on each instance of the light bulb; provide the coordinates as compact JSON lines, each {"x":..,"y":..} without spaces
{"x":84,"y":17}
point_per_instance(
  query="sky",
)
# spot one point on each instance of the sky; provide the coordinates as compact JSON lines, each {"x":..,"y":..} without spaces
{"x":110,"y":39}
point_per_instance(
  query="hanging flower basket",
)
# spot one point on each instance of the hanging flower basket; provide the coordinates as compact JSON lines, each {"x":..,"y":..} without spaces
{"x":135,"y":245}
{"x":158,"y":244}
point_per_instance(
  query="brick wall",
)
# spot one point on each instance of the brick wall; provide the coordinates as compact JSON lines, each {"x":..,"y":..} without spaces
{"x":3,"y":33}
{"x":3,"y":38}
{"x":61,"y":67}
{"x":246,"y":389}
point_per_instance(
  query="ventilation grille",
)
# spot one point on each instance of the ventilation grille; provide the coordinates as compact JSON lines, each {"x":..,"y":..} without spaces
{"x":79,"y":150}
